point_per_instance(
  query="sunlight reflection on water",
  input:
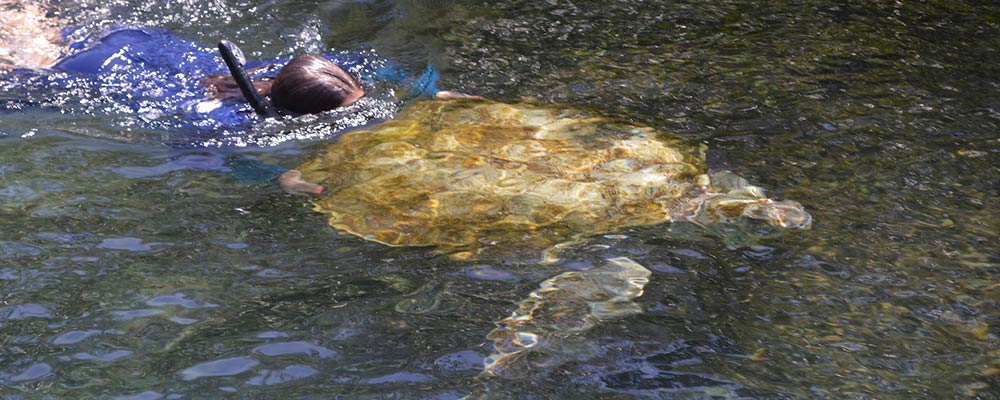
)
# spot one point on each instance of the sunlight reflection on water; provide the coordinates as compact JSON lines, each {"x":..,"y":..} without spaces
{"x":870,"y":114}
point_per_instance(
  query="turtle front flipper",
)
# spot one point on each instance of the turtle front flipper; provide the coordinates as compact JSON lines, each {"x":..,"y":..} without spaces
{"x":536,"y":334}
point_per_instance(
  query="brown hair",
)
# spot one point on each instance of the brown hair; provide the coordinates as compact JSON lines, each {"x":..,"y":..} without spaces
{"x":311,"y":84}
{"x":223,"y":86}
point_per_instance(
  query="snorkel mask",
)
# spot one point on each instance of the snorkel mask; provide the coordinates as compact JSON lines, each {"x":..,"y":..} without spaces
{"x":235,"y":60}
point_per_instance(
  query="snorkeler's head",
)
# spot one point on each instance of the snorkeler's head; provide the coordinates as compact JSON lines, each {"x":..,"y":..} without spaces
{"x":311,"y":84}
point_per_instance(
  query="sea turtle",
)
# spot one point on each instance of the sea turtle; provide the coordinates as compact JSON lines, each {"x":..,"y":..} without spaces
{"x":480,"y":178}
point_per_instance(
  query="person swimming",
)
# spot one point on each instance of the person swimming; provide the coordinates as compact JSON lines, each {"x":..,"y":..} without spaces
{"x":148,"y":74}
{"x":154,"y":80}
{"x":308,"y":84}
{"x":143,"y":63}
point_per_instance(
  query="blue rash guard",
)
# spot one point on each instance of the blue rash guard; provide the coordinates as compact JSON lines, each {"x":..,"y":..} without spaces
{"x":150,"y":79}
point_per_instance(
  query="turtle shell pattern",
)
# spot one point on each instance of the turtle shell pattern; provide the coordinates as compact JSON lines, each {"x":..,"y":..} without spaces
{"x":475,"y":177}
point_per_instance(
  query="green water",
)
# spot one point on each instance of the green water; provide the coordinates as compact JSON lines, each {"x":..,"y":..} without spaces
{"x":132,"y":268}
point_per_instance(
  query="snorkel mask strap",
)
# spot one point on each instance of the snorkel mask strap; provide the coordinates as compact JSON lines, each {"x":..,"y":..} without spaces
{"x":234,"y":59}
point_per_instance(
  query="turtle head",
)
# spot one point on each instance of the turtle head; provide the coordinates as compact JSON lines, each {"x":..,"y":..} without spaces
{"x":783,"y":214}
{"x":747,"y":201}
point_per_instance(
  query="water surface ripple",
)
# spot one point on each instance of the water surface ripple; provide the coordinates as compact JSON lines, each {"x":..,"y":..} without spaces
{"x":134,"y":269}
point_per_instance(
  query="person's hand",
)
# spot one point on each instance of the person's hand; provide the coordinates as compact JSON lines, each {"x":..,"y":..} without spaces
{"x":292,"y":183}
{"x":450,"y":95}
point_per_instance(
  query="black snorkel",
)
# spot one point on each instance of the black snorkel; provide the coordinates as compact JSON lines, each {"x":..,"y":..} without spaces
{"x":234,"y":59}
